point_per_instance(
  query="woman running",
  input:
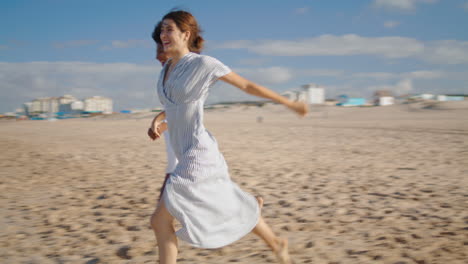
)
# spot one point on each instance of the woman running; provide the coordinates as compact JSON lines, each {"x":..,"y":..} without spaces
{"x":162,"y":57}
{"x":212,"y":210}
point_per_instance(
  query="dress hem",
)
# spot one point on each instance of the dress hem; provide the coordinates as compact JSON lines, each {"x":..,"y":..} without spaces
{"x":218,"y":245}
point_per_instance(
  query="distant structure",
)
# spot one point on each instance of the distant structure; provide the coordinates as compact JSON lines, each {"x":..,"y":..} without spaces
{"x":73,"y":107}
{"x":344,"y":100}
{"x":314,"y":93}
{"x":42,"y":105}
{"x":311,"y":93}
{"x":449,"y":98}
{"x":66,"y":99}
{"x":67,"y":106}
{"x":424,"y":96}
{"x":98,"y":104}
{"x":291,"y":95}
{"x":383,"y":98}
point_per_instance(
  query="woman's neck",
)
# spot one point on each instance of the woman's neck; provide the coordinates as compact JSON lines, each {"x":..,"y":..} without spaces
{"x":177,"y":55}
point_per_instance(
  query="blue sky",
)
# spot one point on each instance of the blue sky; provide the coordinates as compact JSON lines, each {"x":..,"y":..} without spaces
{"x":85,"y":48}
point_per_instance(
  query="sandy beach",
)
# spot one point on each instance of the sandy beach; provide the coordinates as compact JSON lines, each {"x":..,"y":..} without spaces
{"x":345,"y":185}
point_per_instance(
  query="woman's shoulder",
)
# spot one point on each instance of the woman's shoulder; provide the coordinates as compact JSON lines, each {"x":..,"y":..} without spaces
{"x":206,"y":60}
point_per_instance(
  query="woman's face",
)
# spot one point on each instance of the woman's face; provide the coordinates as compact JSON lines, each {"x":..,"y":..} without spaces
{"x":172,"y":38}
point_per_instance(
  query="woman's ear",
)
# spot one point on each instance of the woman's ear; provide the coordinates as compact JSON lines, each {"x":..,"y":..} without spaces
{"x":187,"y":35}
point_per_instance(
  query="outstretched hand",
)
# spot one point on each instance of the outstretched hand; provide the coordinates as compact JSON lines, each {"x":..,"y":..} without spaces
{"x":300,"y":108}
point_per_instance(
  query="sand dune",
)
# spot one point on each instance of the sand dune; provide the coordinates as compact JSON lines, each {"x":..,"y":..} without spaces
{"x":345,"y":185}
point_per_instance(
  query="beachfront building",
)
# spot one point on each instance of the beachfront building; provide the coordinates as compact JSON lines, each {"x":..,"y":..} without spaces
{"x":66,"y":99}
{"x":345,"y":100}
{"x":67,"y":106}
{"x":72,"y":107}
{"x":291,"y":95}
{"x":314,"y":93}
{"x":98,"y":104}
{"x":383,"y":98}
{"x":425,"y":96}
{"x":444,"y":98}
{"x":295,"y":95}
{"x":311,"y":93}
{"x":42,"y":105}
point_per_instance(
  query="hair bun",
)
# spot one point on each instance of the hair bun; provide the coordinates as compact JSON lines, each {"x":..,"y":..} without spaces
{"x":197,"y":44}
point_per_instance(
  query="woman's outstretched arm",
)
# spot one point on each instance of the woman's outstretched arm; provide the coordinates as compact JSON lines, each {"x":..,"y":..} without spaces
{"x":260,"y":91}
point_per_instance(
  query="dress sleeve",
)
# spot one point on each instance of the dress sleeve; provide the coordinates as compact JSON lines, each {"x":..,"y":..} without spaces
{"x":215,"y":69}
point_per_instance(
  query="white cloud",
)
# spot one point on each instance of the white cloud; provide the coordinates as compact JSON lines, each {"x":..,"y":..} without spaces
{"x":435,"y":52}
{"x":374,"y":75}
{"x":124,"y":44}
{"x":234,"y":44}
{"x":254,"y":61}
{"x":404,"y":5}
{"x":446,"y":52}
{"x":124,"y":82}
{"x":422,"y":74}
{"x":270,"y":75}
{"x":404,"y":86}
{"x":302,"y":10}
{"x":465,"y":6}
{"x":428,"y":75}
{"x":318,"y":72}
{"x":351,"y":44}
{"x":74,"y":44}
{"x":391,"y":24}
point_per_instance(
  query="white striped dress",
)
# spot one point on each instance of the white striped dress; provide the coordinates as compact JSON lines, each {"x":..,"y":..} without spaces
{"x":171,"y":158}
{"x":212,"y":210}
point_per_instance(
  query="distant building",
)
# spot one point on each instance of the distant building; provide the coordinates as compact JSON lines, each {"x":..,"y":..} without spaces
{"x":66,"y":99}
{"x":27,"y":108}
{"x":295,"y":95}
{"x":36,"y":106}
{"x":449,"y":98}
{"x":98,"y":104}
{"x":44,"y":105}
{"x":331,"y":102}
{"x":386,"y":100}
{"x":425,"y":96}
{"x":383,"y":98}
{"x":311,"y":93}
{"x":344,"y":100}
{"x":291,"y":95}
{"x":72,"y":107}
{"x":314,"y":93}
{"x":67,"y":106}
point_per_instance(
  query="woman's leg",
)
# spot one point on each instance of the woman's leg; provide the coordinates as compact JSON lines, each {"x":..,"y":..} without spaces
{"x":162,"y":223}
{"x":278,"y":245}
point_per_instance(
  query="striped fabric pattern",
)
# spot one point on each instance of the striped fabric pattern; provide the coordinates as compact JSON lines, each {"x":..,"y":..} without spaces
{"x":212,"y":210}
{"x":171,"y":158}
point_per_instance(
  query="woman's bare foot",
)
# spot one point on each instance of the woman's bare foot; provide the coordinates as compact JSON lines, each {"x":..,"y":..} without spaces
{"x":282,"y":253}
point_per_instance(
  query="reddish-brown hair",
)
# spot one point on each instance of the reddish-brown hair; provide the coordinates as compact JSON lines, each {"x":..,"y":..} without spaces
{"x":186,"y":22}
{"x":157,"y":33}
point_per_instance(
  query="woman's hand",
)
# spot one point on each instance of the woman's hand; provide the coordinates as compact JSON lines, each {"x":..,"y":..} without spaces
{"x":158,"y":126}
{"x":155,"y":131}
{"x":300,"y":108}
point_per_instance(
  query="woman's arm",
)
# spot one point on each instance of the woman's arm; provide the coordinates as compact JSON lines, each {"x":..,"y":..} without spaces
{"x":260,"y":91}
{"x":157,"y":126}
{"x":159,"y":118}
